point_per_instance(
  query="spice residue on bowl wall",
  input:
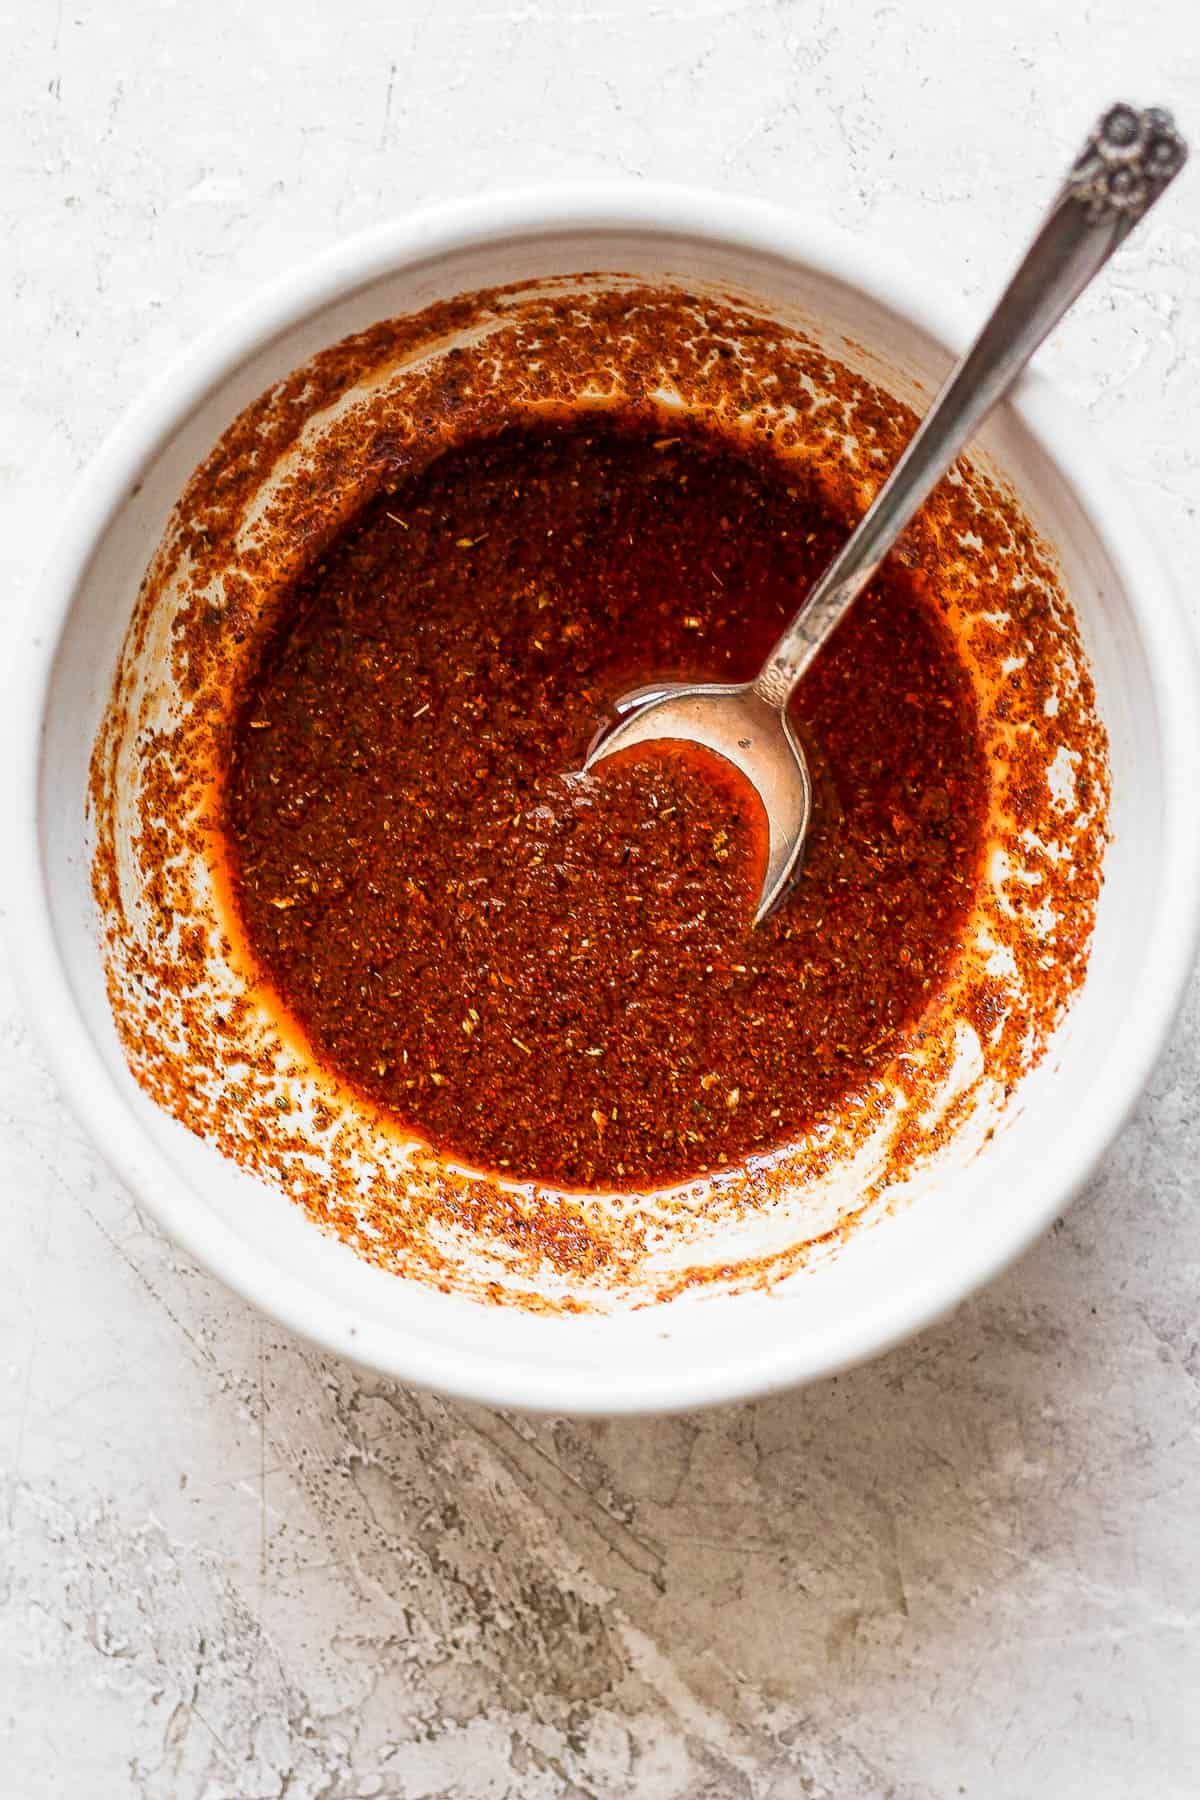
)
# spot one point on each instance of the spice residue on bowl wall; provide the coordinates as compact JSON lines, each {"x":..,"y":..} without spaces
{"x":507,"y":1028}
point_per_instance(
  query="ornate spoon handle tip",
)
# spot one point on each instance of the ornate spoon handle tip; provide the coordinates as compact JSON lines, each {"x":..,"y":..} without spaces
{"x":1126,"y":163}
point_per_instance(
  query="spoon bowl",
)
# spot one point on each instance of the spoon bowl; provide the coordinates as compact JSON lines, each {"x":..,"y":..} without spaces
{"x":736,"y":723}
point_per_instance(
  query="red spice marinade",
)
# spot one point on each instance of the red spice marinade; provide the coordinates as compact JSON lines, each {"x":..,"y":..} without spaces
{"x":558,"y":975}
{"x":288,"y":627}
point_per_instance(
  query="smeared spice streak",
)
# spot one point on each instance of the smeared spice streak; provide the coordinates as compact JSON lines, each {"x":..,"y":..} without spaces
{"x":556,"y":976}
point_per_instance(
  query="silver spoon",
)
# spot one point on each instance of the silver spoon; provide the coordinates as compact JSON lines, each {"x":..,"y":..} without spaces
{"x":1125,"y":165}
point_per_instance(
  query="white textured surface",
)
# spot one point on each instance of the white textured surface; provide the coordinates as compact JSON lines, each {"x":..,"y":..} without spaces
{"x":230,"y":1567}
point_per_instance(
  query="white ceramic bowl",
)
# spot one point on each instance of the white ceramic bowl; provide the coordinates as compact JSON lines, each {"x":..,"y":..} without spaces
{"x":887,"y":1281}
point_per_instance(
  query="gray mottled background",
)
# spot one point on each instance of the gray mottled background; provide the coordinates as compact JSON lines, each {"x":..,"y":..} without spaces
{"x":232,"y":1567}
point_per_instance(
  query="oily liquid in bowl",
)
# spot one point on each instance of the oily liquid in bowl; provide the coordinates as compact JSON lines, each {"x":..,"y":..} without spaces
{"x":557,"y":975}
{"x":210,"y":976}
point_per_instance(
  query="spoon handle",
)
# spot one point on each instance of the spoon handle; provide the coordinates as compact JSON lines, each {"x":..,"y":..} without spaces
{"x":1127,"y":162}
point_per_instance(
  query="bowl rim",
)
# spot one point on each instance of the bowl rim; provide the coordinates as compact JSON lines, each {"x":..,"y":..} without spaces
{"x":526,"y":1380}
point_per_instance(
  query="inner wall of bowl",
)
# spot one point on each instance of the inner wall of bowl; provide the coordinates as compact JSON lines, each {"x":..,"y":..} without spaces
{"x":263,"y":1239}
